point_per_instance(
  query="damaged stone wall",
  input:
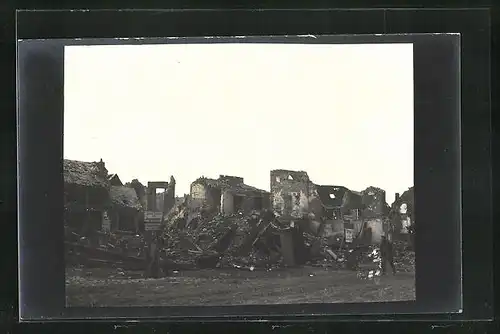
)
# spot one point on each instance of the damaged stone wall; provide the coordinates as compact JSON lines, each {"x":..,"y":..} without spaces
{"x":374,"y":201}
{"x":227,"y":203}
{"x":232,"y":203}
{"x":402,"y":212}
{"x":202,"y":195}
{"x":375,"y":207}
{"x":169,"y":200}
{"x":290,"y":193}
{"x":227,"y":195}
{"x":295,"y":196}
{"x":233,"y":180}
{"x":140,"y":190}
{"x":377,"y":229}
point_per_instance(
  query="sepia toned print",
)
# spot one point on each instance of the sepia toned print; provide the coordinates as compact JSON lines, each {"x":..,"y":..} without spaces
{"x":238,"y":174}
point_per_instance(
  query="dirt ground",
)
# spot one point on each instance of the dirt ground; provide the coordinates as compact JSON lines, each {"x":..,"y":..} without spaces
{"x":107,"y":287}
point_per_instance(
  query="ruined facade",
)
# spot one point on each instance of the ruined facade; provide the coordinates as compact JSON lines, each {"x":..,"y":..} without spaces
{"x":165,"y":201}
{"x":328,"y":209}
{"x":126,"y":211}
{"x":375,"y":212}
{"x":152,"y":196}
{"x":374,"y":202}
{"x":342,"y":209}
{"x":140,"y":190}
{"x":86,"y":194}
{"x":403,"y":212}
{"x":226,"y":195}
{"x":293,"y":195}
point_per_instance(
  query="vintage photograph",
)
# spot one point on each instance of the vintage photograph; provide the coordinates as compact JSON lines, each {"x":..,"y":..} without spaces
{"x":209,"y":173}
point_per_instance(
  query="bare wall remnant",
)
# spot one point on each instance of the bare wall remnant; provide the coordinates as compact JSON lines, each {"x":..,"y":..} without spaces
{"x":126,"y":212}
{"x":291,"y":194}
{"x":403,"y":212}
{"x":374,"y":201}
{"x":140,"y":190}
{"x":376,"y":209}
{"x":226,"y":195}
{"x":151,"y":194}
{"x":165,"y":200}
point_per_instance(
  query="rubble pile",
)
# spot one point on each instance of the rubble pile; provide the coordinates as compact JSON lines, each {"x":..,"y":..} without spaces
{"x":197,"y":240}
{"x":235,"y":241}
{"x":253,"y":242}
{"x":404,"y":256}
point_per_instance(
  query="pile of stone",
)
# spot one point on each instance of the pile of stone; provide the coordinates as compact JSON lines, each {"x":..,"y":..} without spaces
{"x":219,"y":241}
{"x":404,"y":256}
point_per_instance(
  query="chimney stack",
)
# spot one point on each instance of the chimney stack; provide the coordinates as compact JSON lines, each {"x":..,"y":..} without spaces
{"x":102,"y":167}
{"x":397,"y":196}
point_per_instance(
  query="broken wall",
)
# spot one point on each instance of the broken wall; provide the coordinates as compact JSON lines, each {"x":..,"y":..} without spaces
{"x":377,"y":228}
{"x":293,"y":195}
{"x":140,"y":190}
{"x":227,"y":203}
{"x":204,"y":196}
{"x":232,"y":180}
{"x":403,"y":212}
{"x":198,"y":195}
{"x":232,"y":202}
{"x":169,"y":196}
{"x":374,"y":201}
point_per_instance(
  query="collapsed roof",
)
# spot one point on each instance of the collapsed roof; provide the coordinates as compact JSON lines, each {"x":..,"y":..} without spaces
{"x":339,"y":197}
{"x":331,"y":196}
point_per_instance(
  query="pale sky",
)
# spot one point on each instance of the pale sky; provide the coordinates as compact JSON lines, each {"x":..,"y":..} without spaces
{"x":343,"y":113}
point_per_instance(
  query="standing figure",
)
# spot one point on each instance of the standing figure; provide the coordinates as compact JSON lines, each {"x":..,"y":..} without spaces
{"x":387,"y":256}
{"x":153,"y":258}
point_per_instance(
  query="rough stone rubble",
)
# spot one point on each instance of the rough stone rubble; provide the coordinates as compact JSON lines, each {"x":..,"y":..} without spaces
{"x":225,"y":223}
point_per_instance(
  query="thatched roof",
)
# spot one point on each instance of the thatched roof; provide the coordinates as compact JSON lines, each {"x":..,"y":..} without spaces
{"x":125,"y":197}
{"x":86,"y":174}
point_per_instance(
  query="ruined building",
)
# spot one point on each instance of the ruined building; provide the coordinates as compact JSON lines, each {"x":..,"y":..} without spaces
{"x":295,"y":196}
{"x":403,"y":212}
{"x":292,"y":194}
{"x":226,"y":195}
{"x":126,"y":211}
{"x":140,"y":191}
{"x":86,"y":194}
{"x":165,"y":200}
{"x":329,"y":209}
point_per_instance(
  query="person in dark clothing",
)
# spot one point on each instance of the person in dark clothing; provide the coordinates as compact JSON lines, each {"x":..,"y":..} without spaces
{"x":387,"y":256}
{"x":153,"y":258}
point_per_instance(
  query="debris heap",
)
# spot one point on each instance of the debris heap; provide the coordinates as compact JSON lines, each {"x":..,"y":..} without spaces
{"x":197,"y":240}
